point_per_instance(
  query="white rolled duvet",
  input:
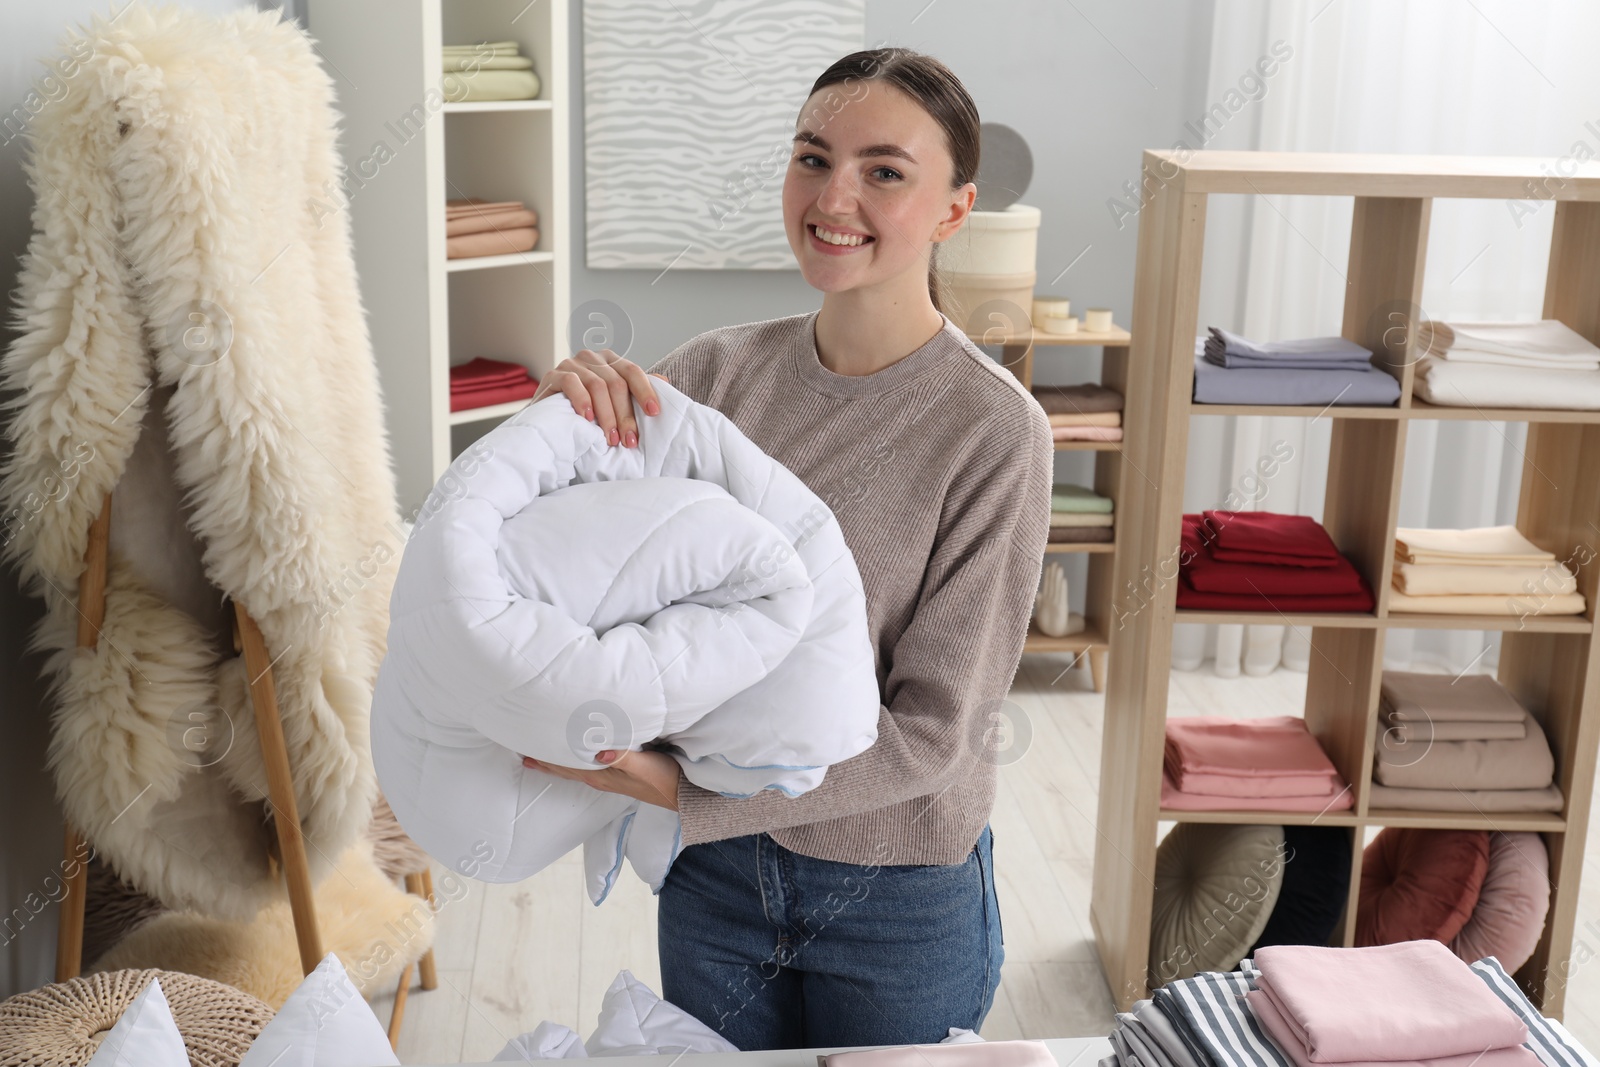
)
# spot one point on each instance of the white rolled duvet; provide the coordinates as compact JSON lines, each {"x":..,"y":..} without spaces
{"x":558,"y":597}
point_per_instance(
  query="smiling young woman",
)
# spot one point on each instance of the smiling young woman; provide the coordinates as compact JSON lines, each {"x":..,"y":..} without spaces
{"x":864,"y":911}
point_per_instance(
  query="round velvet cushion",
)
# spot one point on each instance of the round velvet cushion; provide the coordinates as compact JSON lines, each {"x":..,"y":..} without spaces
{"x":1419,"y":884}
{"x":1512,"y":905}
{"x":1316,"y":887}
{"x":1215,"y":887}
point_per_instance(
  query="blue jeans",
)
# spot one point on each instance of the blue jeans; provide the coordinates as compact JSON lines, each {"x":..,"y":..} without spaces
{"x":776,"y":950}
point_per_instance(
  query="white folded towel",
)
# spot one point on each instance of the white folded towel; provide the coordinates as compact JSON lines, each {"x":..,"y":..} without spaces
{"x":1546,"y":343}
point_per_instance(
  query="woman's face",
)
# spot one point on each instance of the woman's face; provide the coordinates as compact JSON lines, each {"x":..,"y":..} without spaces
{"x":869,"y":163}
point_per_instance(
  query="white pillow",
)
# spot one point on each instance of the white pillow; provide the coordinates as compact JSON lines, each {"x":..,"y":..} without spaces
{"x":145,"y":1036}
{"x":325,"y":1023}
{"x":636,"y":1022}
{"x":547,"y":1041}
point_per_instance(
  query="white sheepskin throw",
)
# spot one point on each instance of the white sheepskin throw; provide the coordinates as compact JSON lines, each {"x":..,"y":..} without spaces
{"x":191,"y":336}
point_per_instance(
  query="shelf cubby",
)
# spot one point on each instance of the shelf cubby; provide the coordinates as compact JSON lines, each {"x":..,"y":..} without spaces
{"x":1547,"y":662}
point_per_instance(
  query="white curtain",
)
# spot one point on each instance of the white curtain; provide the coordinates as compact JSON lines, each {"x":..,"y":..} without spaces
{"x":1481,"y":78}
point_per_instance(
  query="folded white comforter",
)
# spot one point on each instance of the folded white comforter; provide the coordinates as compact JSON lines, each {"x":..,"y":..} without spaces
{"x":558,"y":597}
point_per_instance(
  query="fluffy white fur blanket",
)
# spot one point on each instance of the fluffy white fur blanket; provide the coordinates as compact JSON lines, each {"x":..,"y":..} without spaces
{"x":191,"y":335}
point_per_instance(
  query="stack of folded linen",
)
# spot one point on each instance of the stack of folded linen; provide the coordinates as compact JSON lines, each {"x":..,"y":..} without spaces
{"x":480,"y":382}
{"x":1081,"y":412}
{"x":1459,"y":743}
{"x":491,"y":70}
{"x":476,"y":227}
{"x":1260,"y":560}
{"x":1544,"y":364}
{"x":1230,"y":369}
{"x":1487,"y":570}
{"x":1079,"y":514}
{"x":1217,"y":763}
{"x":1392,"y":1001}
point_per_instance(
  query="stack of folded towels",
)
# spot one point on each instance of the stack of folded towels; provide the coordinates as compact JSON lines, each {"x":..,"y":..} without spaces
{"x":480,"y":382}
{"x":1263,"y":561}
{"x":1544,"y":364}
{"x":1079,"y":514}
{"x":1217,"y":763}
{"x":1488,"y":570}
{"x":1081,"y":412}
{"x":491,"y":70}
{"x":1230,"y":369}
{"x":477,"y":227}
{"x":1306,"y":1006}
{"x":1459,"y":743}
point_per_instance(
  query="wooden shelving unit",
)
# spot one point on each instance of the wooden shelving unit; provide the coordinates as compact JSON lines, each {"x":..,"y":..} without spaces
{"x":1017,"y":354}
{"x":1549,"y":664}
{"x":427,"y":312}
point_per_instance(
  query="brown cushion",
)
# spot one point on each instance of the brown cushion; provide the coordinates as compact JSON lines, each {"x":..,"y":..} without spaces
{"x":1418,"y":884}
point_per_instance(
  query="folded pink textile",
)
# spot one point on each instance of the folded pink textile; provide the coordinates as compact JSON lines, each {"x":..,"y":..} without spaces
{"x":492,"y":243}
{"x":1173,"y":799}
{"x":1265,"y":747}
{"x":1231,"y":785}
{"x":1086,"y":433}
{"x":973,"y":1054}
{"x":1414,"y":1000}
{"x":1283,"y":1036}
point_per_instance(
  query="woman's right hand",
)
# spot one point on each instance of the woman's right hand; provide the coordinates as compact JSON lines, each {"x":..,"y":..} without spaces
{"x":598,"y":384}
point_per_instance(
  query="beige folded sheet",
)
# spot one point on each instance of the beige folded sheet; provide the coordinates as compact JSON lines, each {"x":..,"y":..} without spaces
{"x":1497,"y":545}
{"x":1523,"y":605}
{"x":464,"y":86}
{"x":1415,"y":696}
{"x":1446,"y":579}
{"x":1080,"y":518}
{"x":1086,"y":418}
{"x":1453,"y":731}
{"x":499,"y":220}
{"x":477,"y":62}
{"x":491,"y":243}
{"x":1524,"y":763}
{"x":1384,"y":797}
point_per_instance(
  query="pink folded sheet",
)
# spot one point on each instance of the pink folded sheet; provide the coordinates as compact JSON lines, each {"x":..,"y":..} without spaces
{"x":1283,"y":1036}
{"x":1173,"y":799}
{"x":1219,"y":745}
{"x":1414,"y":1000}
{"x":491,"y":243}
{"x":971,"y":1054}
{"x":1086,"y":433}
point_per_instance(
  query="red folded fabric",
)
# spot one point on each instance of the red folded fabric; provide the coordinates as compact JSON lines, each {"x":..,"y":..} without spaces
{"x":1268,"y":537}
{"x":480,"y":372}
{"x":1193,"y":599}
{"x":1207,"y":574}
{"x":468,"y":399}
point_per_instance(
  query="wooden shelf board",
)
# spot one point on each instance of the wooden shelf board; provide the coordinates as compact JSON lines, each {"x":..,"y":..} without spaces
{"x":1088,"y":446}
{"x":1306,"y":411}
{"x":492,"y":411}
{"x":465,"y":106}
{"x":1265,"y":818}
{"x":1421,"y":409}
{"x":1364,"y":174}
{"x":512,"y":259}
{"x":1080,"y":546}
{"x":1116,"y":337}
{"x":1354,"y":620}
{"x":1090,"y":637}
{"x":1550,"y":624}
{"x":1548,"y":822}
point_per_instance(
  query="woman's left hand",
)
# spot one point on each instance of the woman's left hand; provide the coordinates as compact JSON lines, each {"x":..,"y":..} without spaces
{"x":651,"y":777}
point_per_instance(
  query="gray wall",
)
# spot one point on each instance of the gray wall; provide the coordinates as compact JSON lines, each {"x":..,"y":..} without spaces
{"x":1089,"y":91}
{"x":1089,"y":84}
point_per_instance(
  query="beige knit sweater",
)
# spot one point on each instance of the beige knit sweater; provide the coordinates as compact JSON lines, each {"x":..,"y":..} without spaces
{"x":938,"y":468}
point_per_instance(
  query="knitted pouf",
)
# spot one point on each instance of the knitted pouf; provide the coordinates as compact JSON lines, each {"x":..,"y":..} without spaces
{"x":62,"y":1024}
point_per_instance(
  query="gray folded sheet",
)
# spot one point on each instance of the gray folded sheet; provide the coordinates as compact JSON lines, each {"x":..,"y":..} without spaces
{"x":1369,"y":387}
{"x":1226,"y":342}
{"x":1385,"y":798}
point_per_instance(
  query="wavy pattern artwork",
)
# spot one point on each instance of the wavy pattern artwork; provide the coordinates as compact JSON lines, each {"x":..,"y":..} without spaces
{"x":689,"y":108}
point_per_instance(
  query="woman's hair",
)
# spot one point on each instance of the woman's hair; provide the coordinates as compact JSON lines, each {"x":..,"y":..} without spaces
{"x":941,"y":94}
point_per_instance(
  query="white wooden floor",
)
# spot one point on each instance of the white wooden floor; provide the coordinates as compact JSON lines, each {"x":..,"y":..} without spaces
{"x":510,"y":956}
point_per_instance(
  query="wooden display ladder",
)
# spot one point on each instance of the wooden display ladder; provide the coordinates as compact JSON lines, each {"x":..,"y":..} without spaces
{"x":1017,"y":354}
{"x":1548,"y":663}
{"x":280,"y":787}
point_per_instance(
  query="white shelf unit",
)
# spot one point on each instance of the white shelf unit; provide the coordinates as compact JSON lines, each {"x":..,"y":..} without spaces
{"x":425,"y":312}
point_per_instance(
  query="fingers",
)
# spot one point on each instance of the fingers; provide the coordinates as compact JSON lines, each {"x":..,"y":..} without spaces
{"x":639,"y":382}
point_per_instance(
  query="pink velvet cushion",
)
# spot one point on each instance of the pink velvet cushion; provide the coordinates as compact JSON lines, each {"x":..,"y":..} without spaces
{"x":1512,"y":905}
{"x":1418,"y":884}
